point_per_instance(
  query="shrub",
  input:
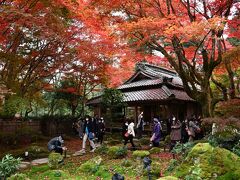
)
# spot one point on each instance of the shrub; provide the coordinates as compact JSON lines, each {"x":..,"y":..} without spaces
{"x":37,"y":152}
{"x":126,"y":163}
{"x":18,"y":176}
{"x":117,"y":152}
{"x":173,"y":163}
{"x":8,"y":165}
{"x":155,"y":150}
{"x":54,"y":160}
{"x":102,"y":149}
{"x":183,"y":148}
{"x":141,"y":154}
{"x":236,"y":149}
{"x":144,"y":141}
{"x":91,"y":166}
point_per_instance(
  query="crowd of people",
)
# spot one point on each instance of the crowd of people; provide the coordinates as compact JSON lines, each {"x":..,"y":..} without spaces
{"x":92,"y":129}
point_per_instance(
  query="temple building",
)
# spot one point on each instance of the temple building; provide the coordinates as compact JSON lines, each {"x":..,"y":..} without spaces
{"x":156,"y":91}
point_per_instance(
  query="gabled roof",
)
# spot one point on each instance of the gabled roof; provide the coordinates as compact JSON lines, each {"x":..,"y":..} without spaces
{"x":148,"y":75}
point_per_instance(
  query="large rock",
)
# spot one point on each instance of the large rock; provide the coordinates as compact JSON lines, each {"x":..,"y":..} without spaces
{"x":206,"y":162}
{"x":24,"y":165}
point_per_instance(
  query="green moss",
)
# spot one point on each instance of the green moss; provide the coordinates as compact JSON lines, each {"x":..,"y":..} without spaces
{"x":117,"y":152}
{"x":207,"y":162}
{"x":102,"y":149}
{"x":141,"y":153}
{"x":18,"y":176}
{"x":54,"y":160}
{"x":126,"y":163}
{"x":54,"y":174}
{"x":91,"y":166}
{"x":168,"y":178}
{"x":155,"y":150}
{"x":38,"y":169}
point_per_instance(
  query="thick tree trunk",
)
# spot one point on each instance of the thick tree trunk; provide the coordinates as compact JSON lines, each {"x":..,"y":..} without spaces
{"x":206,"y":104}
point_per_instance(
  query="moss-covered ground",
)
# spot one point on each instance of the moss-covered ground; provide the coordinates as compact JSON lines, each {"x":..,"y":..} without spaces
{"x":202,"y":162}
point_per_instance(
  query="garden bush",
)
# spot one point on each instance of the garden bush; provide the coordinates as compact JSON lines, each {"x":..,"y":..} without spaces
{"x":8,"y":166}
{"x":144,"y":141}
{"x":117,"y":152}
{"x":91,"y":166}
{"x":54,"y":160}
{"x":141,"y":153}
{"x":155,"y":150}
{"x":35,"y":152}
{"x":18,"y":176}
{"x":102,"y":149}
{"x":236,"y":148}
{"x":126,"y":163}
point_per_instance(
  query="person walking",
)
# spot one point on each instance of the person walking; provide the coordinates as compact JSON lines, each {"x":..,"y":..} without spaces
{"x":130,"y":134}
{"x":140,"y":125}
{"x":156,"y":136}
{"x":192,"y":128}
{"x":88,"y":134}
{"x":175,"y":134}
{"x":101,"y":130}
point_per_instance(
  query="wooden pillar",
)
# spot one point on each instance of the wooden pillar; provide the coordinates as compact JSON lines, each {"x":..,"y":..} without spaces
{"x":136,"y":115}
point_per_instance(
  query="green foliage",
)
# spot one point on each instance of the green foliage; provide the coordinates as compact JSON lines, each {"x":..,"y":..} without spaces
{"x":144,"y":141}
{"x":236,"y":149}
{"x":91,"y":166}
{"x":13,"y":105}
{"x":168,"y":178}
{"x":113,"y":142}
{"x":54,"y":160}
{"x":155,"y":150}
{"x":226,"y":138}
{"x":207,"y":162}
{"x":18,"y":176}
{"x":54,"y":174}
{"x":173,"y":163}
{"x":126,"y":163}
{"x":103,"y":149}
{"x":183,"y":148}
{"x":112,"y":97}
{"x":8,"y":165}
{"x":117,"y":152}
{"x":35,"y":152}
{"x":140,"y":153}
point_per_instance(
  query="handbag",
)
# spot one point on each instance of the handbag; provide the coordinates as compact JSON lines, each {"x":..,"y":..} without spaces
{"x":126,"y":134}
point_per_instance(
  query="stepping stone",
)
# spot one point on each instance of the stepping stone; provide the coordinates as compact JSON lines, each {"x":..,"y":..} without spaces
{"x":24,"y":165}
{"x":39,"y":161}
{"x":77,"y":153}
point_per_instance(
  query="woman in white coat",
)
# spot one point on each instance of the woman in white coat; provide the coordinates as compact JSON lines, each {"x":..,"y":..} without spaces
{"x":130,"y":134}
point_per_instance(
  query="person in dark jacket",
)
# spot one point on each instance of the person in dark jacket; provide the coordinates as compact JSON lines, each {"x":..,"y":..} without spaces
{"x":101,"y":130}
{"x":156,"y":136}
{"x":184,"y":132}
{"x":56,"y":144}
{"x":88,"y":134}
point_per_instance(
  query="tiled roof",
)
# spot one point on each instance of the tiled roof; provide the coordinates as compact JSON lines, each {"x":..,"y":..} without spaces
{"x":157,"y":94}
{"x":145,"y":95}
{"x":144,"y":82}
{"x":181,"y":95}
